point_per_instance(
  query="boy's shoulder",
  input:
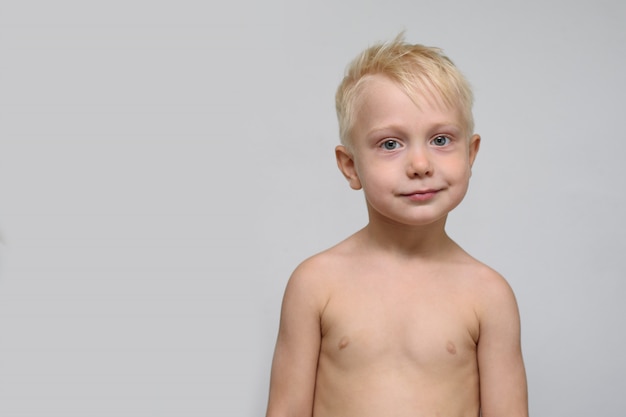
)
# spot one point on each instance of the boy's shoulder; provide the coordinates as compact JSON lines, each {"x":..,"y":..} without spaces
{"x":490,"y":288}
{"x":316,"y":272}
{"x":482,"y":276}
{"x":344,"y":255}
{"x":319,"y":273}
{"x":322,"y":264}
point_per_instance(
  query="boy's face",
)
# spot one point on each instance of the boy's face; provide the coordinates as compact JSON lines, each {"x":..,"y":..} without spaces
{"x":413,"y":164}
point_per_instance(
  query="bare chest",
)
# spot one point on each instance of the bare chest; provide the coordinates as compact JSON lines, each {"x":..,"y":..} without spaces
{"x":411,"y":324}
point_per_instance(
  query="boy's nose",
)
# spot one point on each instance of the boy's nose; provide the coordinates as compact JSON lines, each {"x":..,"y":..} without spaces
{"x":419,"y":164}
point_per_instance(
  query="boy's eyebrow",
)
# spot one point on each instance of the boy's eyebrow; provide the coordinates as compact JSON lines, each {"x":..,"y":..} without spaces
{"x":390,"y":129}
{"x":396,"y":128}
{"x":448,"y":125}
{"x":382,"y":129}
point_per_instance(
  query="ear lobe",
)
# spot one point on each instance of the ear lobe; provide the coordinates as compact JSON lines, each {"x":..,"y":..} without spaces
{"x":345,"y":162}
{"x":474,"y":146}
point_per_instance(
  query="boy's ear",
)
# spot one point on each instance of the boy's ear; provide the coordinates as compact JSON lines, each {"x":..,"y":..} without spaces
{"x":474,"y":145}
{"x":345,"y":162}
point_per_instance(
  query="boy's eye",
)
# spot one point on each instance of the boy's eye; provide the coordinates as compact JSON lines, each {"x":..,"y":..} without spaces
{"x":390,"y":144}
{"x":440,"y":141}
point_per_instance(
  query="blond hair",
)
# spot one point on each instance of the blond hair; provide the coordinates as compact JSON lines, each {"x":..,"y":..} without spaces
{"x":417,"y":69}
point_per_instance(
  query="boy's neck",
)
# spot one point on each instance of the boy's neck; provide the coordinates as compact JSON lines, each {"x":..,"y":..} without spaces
{"x":427,"y":241}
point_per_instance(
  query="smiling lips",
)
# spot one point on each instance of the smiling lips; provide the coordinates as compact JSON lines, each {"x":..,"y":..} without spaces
{"x":424,"y":195}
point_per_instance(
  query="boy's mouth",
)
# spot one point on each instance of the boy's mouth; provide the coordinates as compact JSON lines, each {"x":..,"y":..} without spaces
{"x":421,"y":195}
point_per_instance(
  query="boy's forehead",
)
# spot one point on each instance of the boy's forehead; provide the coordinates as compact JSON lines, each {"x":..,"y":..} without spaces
{"x":374,"y":85}
{"x":382,"y":98}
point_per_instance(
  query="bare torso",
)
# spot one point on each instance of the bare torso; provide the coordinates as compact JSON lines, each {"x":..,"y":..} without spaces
{"x":398,"y":341}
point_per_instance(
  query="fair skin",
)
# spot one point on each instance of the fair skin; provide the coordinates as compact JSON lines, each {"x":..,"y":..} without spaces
{"x":398,"y":320}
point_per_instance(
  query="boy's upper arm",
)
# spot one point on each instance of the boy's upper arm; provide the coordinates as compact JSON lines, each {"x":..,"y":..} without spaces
{"x":294,"y":368}
{"x":503,"y":388}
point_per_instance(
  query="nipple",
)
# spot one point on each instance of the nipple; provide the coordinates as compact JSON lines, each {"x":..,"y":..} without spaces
{"x":343,"y":342}
{"x":451,"y":348}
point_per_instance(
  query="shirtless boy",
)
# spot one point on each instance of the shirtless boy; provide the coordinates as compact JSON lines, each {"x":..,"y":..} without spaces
{"x":398,"y":320}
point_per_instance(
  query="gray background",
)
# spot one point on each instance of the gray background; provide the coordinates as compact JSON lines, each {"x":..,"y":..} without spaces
{"x":165,"y":165}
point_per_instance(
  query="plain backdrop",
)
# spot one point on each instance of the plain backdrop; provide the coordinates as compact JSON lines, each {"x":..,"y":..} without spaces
{"x":165,"y":165}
